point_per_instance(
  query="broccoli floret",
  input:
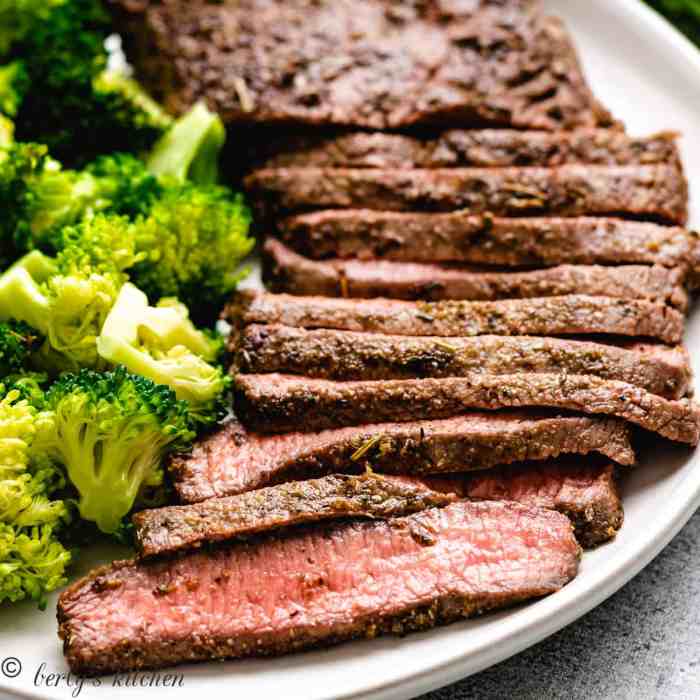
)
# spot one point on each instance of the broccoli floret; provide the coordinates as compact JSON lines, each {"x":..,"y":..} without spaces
{"x":193,"y":240}
{"x":130,"y":108}
{"x":68,"y":298}
{"x":75,"y":105}
{"x":161,"y":343}
{"x":42,"y":197}
{"x":32,"y":560}
{"x":17,"y":343}
{"x":190,"y":149}
{"x":126,"y":186}
{"x":19,"y":163}
{"x":112,"y":431}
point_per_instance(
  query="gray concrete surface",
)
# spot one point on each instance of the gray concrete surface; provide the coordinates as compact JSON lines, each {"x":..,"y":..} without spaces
{"x":643,"y":643}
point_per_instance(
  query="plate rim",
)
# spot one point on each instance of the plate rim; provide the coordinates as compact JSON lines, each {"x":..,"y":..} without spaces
{"x":549,"y":615}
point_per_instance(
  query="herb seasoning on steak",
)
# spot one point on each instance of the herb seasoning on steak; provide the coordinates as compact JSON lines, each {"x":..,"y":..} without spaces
{"x":166,"y":530}
{"x":233,"y":460}
{"x":584,"y":491}
{"x":315,"y":586}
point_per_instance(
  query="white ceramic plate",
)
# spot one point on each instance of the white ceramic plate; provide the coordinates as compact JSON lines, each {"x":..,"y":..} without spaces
{"x":650,"y":77}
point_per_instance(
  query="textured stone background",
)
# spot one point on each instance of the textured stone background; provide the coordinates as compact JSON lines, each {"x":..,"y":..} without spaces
{"x":642,"y":643}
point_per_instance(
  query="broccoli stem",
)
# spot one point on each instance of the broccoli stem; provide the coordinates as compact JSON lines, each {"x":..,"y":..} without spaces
{"x":190,"y":149}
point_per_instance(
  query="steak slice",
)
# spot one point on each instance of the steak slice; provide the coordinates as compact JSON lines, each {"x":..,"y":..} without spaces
{"x":574,"y":314}
{"x":584,"y":490}
{"x":285,"y":271}
{"x":315,"y":586}
{"x":658,"y":192}
{"x":233,"y":460}
{"x":346,"y":355}
{"x":487,"y":148}
{"x":167,"y":530}
{"x":484,"y":240}
{"x":277,"y":403}
{"x":368,"y":63}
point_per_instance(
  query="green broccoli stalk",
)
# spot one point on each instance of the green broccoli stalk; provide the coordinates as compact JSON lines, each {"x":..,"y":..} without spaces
{"x":112,"y":431}
{"x":161,"y":343}
{"x":190,"y":149}
{"x":32,"y":560}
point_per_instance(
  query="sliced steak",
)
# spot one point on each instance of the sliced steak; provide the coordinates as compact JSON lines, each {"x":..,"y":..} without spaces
{"x":316,"y":586}
{"x":167,"y":530}
{"x":657,"y":192}
{"x":278,"y":403}
{"x":484,"y":240}
{"x":368,"y":63}
{"x":346,"y":355}
{"x":574,"y":314}
{"x":487,"y":148}
{"x":233,"y":460}
{"x":584,"y":490}
{"x":285,"y":271}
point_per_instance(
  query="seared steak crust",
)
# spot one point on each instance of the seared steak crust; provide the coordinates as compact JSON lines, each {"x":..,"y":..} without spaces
{"x":485,"y":240}
{"x":285,"y":271}
{"x":167,"y":530}
{"x":232,"y":460}
{"x":347,"y":355}
{"x":574,"y":314}
{"x":278,"y":403}
{"x":314,"y":587}
{"x":487,"y":148}
{"x":369,"y":63}
{"x":584,"y":490}
{"x":658,"y":192}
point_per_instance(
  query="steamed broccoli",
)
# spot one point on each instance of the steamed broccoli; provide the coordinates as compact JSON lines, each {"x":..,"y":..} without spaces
{"x":190,"y":149}
{"x":73,"y":103}
{"x":32,"y":560}
{"x":67,"y":298}
{"x":192,"y":240}
{"x":112,"y":430}
{"x":17,"y":342}
{"x":161,"y":343}
{"x":41,"y":197}
{"x":19,"y":17}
